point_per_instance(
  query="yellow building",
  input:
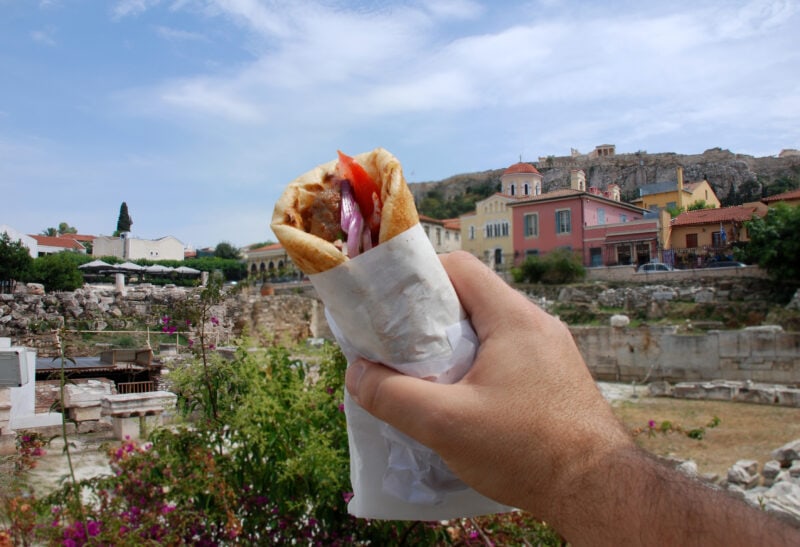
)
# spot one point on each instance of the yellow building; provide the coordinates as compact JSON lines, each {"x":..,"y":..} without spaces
{"x":675,"y":195}
{"x":696,"y":236}
{"x":486,"y":232}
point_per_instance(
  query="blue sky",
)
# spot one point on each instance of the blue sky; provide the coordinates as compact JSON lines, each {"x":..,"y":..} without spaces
{"x":197,"y":113}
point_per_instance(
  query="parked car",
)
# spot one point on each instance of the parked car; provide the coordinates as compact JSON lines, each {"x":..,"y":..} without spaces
{"x":653,"y":267}
{"x":725,"y":264}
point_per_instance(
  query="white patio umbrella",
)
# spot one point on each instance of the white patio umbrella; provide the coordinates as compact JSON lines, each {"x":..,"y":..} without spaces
{"x":130,"y":266}
{"x":96,"y":265}
{"x":158,"y":269}
{"x":186,"y":270}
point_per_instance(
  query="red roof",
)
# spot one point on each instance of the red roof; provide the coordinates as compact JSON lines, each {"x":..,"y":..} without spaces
{"x":429,"y":220}
{"x":62,"y":242}
{"x":83,"y":237}
{"x":271,"y":247}
{"x":560,"y":193}
{"x":739,"y":213}
{"x":521,"y":167}
{"x":790,"y":195}
{"x":452,"y":223}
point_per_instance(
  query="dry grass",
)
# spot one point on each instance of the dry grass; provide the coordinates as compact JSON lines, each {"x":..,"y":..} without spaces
{"x":746,"y":431}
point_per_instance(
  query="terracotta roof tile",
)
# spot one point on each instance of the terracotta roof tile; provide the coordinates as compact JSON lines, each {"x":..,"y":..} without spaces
{"x":430,"y":220}
{"x":521,"y":167}
{"x":452,"y":223}
{"x":791,"y":194}
{"x":270,"y":247}
{"x":57,"y":241}
{"x":739,"y":213}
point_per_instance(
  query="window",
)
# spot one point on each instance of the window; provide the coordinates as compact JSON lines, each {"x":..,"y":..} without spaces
{"x":472,"y":232}
{"x":497,"y":229}
{"x":624,"y":254}
{"x":716,"y":239}
{"x":531,"y":222}
{"x":601,"y":216}
{"x":595,"y":256}
{"x":671,"y":205}
{"x":563,"y":222}
{"x":439,"y":237}
{"x":691,"y":240}
{"x":527,"y":189}
{"x":531,"y":252}
{"x":512,"y":189}
{"x":623,"y":218}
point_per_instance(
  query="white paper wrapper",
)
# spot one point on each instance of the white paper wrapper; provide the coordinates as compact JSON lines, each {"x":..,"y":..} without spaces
{"x":395,"y":305}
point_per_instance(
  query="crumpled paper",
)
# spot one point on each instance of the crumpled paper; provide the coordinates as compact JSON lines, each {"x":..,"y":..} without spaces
{"x":395,"y":305}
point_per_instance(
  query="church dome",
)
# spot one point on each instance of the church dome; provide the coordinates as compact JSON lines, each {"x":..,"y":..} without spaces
{"x":521,"y":167}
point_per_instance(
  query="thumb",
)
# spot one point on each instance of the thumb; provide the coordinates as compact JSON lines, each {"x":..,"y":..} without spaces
{"x":407,"y":403}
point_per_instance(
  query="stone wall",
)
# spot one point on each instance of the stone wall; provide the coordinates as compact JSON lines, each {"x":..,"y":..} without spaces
{"x":647,"y":354}
{"x":30,"y":316}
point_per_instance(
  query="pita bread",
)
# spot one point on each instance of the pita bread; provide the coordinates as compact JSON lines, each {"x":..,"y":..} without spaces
{"x":313,"y":254}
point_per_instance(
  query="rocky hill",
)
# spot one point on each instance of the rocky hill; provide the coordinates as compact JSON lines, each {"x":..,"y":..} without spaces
{"x":736,"y":178}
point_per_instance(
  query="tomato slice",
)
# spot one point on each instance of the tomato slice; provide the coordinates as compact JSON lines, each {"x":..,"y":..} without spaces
{"x":366,"y":192}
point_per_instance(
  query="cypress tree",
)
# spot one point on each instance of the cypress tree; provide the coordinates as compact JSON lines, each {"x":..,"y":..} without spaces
{"x":124,"y":221}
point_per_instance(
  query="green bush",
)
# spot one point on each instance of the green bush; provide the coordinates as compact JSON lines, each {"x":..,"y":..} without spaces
{"x":58,"y":272}
{"x":557,"y":267}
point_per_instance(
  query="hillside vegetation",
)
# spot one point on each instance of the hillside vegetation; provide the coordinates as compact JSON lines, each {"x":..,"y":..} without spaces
{"x":735,"y":178}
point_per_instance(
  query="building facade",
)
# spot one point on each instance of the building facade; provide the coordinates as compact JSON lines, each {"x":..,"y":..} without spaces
{"x":697,"y":236}
{"x":486,"y":233}
{"x":270,"y":262}
{"x":597,"y":227}
{"x":445,"y":235}
{"x":675,"y":195}
{"x":129,"y":248}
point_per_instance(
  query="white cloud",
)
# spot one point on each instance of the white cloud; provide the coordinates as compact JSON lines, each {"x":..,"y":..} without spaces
{"x":178,"y":35}
{"x":45,"y":37}
{"x":458,"y":9}
{"x":207,"y":97}
{"x":130,"y":8}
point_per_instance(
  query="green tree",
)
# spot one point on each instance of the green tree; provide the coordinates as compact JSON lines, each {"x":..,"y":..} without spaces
{"x":51,"y":232}
{"x":774,"y":244}
{"x":225,"y":249}
{"x":700,"y":204}
{"x":15,"y":263}
{"x":64,"y":228}
{"x":124,"y":221}
{"x":58,"y":272}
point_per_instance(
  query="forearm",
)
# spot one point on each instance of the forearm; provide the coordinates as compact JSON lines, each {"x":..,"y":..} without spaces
{"x":633,"y":499}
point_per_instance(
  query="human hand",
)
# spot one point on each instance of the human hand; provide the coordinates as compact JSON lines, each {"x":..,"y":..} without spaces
{"x":524,"y":422}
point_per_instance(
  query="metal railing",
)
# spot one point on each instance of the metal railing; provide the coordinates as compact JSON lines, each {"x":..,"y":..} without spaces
{"x":136,"y":387}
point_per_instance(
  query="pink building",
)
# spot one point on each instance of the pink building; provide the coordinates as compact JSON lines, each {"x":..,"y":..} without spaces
{"x":595,"y":224}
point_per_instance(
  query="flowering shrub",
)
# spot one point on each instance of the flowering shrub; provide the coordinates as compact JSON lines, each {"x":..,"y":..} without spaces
{"x":30,"y":445}
{"x":697,"y":433}
{"x":261,"y":458}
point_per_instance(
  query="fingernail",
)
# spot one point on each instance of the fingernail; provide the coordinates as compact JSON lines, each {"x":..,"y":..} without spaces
{"x":352,"y":378}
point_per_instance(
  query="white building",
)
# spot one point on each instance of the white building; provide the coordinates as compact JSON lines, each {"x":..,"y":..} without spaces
{"x":28,"y":241}
{"x":445,"y":235}
{"x":131,"y":248}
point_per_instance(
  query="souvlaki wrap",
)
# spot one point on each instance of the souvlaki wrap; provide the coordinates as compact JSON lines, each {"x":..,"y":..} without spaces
{"x":352,"y":226}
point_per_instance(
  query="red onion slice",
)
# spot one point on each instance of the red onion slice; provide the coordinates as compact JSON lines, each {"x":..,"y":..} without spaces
{"x":352,"y":222}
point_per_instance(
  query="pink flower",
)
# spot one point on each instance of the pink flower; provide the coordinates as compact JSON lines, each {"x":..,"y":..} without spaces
{"x":341,"y":407}
{"x":347,"y":496}
{"x":651,"y":424}
{"x":214,"y":321}
{"x":190,"y":342}
{"x":212,"y":346}
{"x":93,"y":528}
